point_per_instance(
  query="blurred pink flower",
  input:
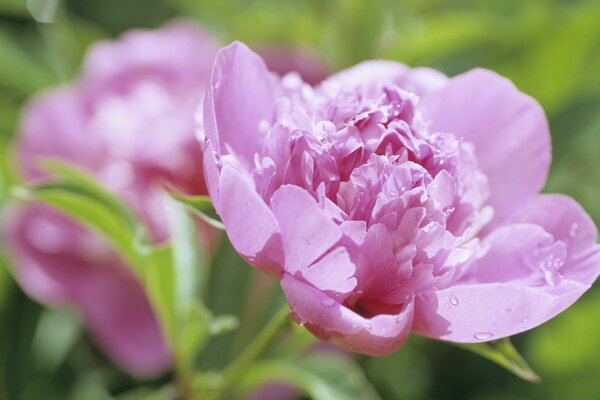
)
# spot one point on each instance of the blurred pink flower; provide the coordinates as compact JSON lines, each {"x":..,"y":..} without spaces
{"x":390,"y":200}
{"x":129,"y":120}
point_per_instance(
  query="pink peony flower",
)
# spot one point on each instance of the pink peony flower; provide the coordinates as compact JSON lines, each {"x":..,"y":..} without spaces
{"x":129,"y":120}
{"x":391,"y":200}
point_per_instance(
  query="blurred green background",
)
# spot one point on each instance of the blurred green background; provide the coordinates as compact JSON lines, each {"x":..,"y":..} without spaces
{"x":550,"y":49}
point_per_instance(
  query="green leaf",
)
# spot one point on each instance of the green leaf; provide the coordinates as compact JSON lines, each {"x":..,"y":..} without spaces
{"x":159,"y":280}
{"x":75,"y":193}
{"x":13,"y":7}
{"x":503,"y":353}
{"x":223,"y":324}
{"x":322,"y":377}
{"x":201,"y":206}
{"x":191,"y":266}
{"x":20,"y":71}
{"x":44,"y":10}
{"x":56,"y":333}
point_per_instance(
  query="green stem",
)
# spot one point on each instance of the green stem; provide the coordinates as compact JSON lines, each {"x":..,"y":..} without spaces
{"x":256,"y":347}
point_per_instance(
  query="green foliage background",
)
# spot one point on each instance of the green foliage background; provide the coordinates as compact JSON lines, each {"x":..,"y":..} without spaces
{"x":549,"y":48}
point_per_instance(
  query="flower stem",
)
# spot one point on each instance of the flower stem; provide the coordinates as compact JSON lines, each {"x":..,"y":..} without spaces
{"x":256,"y":347}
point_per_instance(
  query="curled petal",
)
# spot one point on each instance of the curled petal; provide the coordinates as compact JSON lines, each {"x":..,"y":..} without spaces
{"x":332,"y":321}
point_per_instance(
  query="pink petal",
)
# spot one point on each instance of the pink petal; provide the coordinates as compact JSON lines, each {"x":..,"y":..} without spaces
{"x":249,"y":222}
{"x":331,"y":321}
{"x":52,"y":267}
{"x":508,"y":128}
{"x":507,"y":290}
{"x":333,"y":274}
{"x":306,"y":230}
{"x":240,"y":96}
{"x":489,"y":311}
{"x":418,"y":80}
{"x":568,"y":222}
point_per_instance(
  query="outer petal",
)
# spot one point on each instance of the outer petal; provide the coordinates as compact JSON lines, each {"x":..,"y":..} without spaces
{"x":418,"y":80}
{"x":57,"y":262}
{"x":508,"y":128}
{"x":331,"y":321}
{"x":306,"y":230}
{"x":566,"y":221}
{"x":504,"y":292}
{"x":239,"y":97}
{"x":249,"y":222}
{"x":490,"y":311}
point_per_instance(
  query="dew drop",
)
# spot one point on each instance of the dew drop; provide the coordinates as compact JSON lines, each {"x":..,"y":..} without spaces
{"x":453,"y":300}
{"x":447,"y":305}
{"x":392,"y":194}
{"x":483,"y":335}
{"x":327,"y":302}
{"x":573,"y":229}
{"x":525,"y":320}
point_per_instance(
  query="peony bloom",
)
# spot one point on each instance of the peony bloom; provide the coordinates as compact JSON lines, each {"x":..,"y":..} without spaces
{"x":389,"y":200}
{"x":129,"y":120}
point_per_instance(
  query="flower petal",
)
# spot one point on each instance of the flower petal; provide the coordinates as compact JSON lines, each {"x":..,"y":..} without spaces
{"x":567,"y":221}
{"x":508,"y":128}
{"x":514,"y":287}
{"x":240,"y":96}
{"x":488,"y":311}
{"x":57,"y":262}
{"x":250,"y":224}
{"x":418,"y":80}
{"x":329,"y":320}
{"x":306,"y":230}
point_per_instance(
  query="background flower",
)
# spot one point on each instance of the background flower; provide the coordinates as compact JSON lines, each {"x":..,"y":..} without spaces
{"x":129,"y":121}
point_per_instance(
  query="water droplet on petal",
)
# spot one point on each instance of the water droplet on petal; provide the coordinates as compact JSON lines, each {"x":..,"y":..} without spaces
{"x":327,"y":302}
{"x":392,"y":194}
{"x":447,"y":305}
{"x":573,"y":229}
{"x":548,"y":259}
{"x":525,"y":320}
{"x":483,"y":335}
{"x":453,"y":300}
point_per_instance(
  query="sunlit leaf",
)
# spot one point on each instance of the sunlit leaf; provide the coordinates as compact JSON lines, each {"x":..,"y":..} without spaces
{"x":503,"y":353}
{"x":55,"y":336}
{"x":201,"y":206}
{"x":44,"y":10}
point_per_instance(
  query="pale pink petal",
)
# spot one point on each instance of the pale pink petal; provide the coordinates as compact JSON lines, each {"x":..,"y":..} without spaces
{"x":306,"y":230}
{"x":508,"y":128}
{"x":240,"y":96}
{"x":418,"y":80}
{"x":525,"y":278}
{"x":250,"y":223}
{"x":336,"y":282}
{"x":331,"y":321}
{"x":489,"y":311}
{"x":568,"y":222}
